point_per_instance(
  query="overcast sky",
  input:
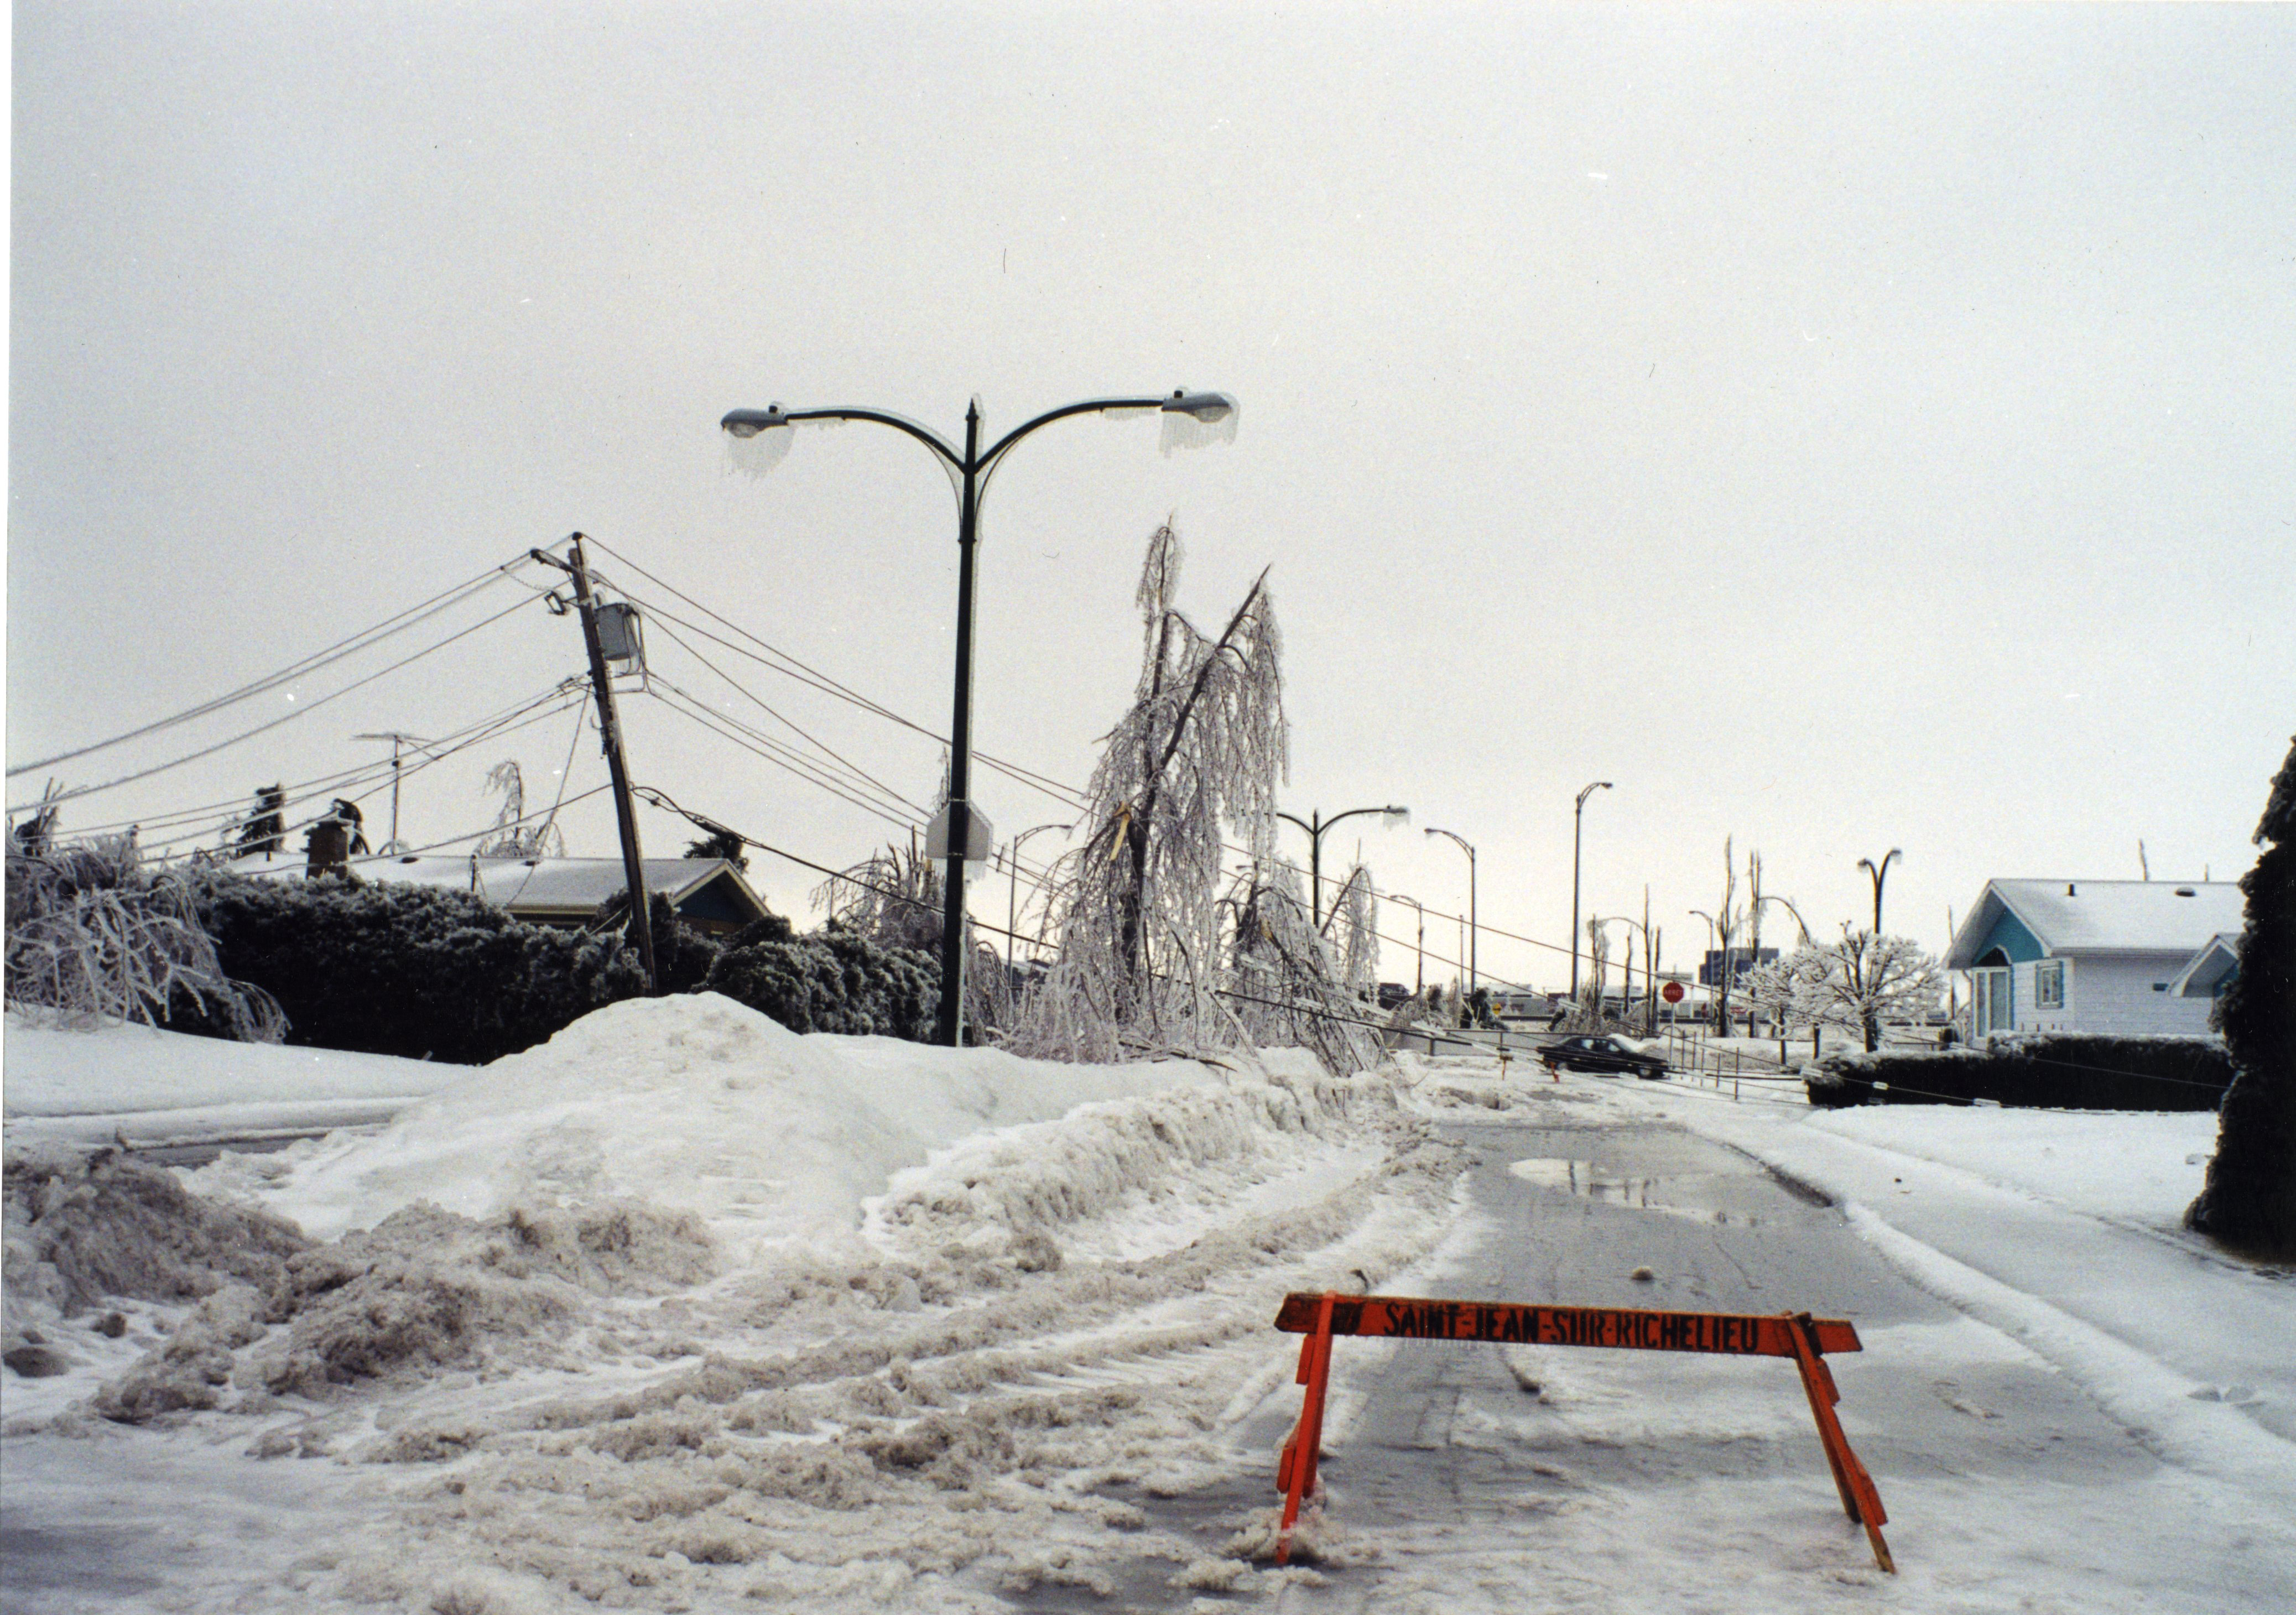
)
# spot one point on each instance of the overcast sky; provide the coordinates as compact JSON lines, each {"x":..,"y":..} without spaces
{"x":1841,"y":429}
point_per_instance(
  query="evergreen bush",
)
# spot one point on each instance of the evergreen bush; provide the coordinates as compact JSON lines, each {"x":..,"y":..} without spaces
{"x":391,"y":968}
{"x":832,"y":981}
{"x":2250,"y":1200}
{"x":2049,"y":1071}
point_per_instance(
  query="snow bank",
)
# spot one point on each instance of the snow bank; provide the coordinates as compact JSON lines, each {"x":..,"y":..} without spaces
{"x":691,"y":1102}
{"x":681,"y":1309}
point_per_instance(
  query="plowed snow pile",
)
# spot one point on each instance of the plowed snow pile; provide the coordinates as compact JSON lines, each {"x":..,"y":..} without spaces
{"x":682,"y":1309}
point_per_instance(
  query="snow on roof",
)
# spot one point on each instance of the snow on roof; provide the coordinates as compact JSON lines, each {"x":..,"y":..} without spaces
{"x":557,"y":886}
{"x":2208,"y":969}
{"x":2103,"y":916}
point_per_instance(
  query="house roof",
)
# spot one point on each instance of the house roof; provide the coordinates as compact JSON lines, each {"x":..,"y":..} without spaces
{"x":2102,"y":916}
{"x":554,"y":887}
{"x":2208,"y":969}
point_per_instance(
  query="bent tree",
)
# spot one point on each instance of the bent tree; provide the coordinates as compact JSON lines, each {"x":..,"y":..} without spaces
{"x":1197,"y":756}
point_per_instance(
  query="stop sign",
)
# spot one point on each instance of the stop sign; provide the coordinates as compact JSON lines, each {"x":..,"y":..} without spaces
{"x":1671,"y":992}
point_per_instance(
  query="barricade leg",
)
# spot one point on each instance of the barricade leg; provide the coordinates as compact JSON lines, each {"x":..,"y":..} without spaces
{"x":1295,"y":1469}
{"x":1859,"y":1499}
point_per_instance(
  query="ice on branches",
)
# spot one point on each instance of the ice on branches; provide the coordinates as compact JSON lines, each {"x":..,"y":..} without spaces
{"x":94,"y":935}
{"x":1288,"y":988}
{"x":1196,"y":759}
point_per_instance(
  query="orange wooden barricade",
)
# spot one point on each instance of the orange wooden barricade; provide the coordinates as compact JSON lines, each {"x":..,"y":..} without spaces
{"x":1791,"y":1334}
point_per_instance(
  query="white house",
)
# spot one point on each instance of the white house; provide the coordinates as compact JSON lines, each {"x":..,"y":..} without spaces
{"x":2118,"y":958}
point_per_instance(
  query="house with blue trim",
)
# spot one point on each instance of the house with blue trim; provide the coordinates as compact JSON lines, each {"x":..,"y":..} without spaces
{"x":2113,"y":958}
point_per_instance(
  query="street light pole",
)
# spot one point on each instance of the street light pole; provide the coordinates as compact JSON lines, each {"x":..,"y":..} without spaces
{"x":1315,"y":825}
{"x":1473,"y":975}
{"x":973,"y":467}
{"x":1879,"y":873}
{"x":1578,"y":818}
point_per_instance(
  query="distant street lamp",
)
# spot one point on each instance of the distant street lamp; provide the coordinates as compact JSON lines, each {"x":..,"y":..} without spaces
{"x":1880,"y":875}
{"x":1472,"y":976}
{"x":1315,"y":825}
{"x":1013,"y":899}
{"x":972,"y":469}
{"x":1578,"y":818}
{"x":1419,"y":978}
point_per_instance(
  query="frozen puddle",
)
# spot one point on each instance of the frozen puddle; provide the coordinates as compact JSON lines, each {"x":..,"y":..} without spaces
{"x":1703,"y":1197}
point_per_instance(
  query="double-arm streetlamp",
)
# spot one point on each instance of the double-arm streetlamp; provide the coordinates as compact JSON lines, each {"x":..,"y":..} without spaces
{"x":1880,"y":872}
{"x":1578,"y":818}
{"x":1315,"y":825}
{"x":1470,"y":851}
{"x":967,"y":831}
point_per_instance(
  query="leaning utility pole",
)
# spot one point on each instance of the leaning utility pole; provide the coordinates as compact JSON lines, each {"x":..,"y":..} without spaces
{"x":609,"y":731}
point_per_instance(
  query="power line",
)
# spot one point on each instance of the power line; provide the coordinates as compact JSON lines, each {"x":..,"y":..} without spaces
{"x":341,"y":648}
{"x":217,"y":816}
{"x":710,"y":721}
{"x":850,"y":767}
{"x":299,"y":711}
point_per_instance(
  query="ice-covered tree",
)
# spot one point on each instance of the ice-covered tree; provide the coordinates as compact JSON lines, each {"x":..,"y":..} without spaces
{"x":1351,"y":934}
{"x":1196,"y":758}
{"x":2250,"y":1200}
{"x":1727,"y":916}
{"x":1284,"y":986}
{"x":1587,"y":1009}
{"x":264,"y":830}
{"x":95,"y":934}
{"x":720,"y":843}
{"x":511,"y":837}
{"x":1864,"y":980}
{"x":1786,"y":991}
{"x":893,"y":899}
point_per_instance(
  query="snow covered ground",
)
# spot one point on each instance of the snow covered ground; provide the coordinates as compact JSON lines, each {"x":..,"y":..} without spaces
{"x":152,"y":1087}
{"x":683,"y":1311}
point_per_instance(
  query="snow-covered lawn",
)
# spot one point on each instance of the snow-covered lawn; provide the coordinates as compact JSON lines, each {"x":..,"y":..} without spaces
{"x":683,"y":1311}
{"x":153,"y":1088}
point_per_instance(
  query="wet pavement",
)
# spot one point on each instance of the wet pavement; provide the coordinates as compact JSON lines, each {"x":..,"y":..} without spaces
{"x":1459,"y":1440}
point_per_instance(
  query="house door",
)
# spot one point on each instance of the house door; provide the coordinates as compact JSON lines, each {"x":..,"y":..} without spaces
{"x":1991,"y":1006}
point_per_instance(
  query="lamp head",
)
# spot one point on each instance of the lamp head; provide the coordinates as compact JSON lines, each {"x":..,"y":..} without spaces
{"x":1392,"y":816}
{"x":1208,"y":407}
{"x":749,"y":423}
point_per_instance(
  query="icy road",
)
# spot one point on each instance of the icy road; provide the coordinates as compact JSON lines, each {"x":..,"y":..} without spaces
{"x":681,"y":1312}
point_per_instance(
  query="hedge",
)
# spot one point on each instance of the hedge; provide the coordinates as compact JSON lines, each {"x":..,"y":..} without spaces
{"x":830,"y":982}
{"x":2035,"y":1072}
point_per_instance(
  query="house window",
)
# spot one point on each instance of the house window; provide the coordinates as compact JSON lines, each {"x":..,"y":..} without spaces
{"x":2049,"y":984}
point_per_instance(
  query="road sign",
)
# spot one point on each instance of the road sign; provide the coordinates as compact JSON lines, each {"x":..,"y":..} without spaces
{"x":1671,"y":992}
{"x":960,"y":827}
{"x":1804,"y":1339}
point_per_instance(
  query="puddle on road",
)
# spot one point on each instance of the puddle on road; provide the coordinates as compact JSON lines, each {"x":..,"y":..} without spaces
{"x":1694,"y":1195}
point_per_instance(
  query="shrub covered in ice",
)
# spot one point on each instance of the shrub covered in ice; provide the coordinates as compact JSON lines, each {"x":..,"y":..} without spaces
{"x":389,"y":969}
{"x":94,"y":934}
{"x":833,"y":980}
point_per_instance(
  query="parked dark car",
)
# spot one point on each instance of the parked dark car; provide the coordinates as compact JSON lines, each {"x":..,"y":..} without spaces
{"x":1603,"y":1056}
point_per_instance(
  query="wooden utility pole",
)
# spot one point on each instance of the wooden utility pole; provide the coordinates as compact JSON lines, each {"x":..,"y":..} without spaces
{"x":609,"y":731}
